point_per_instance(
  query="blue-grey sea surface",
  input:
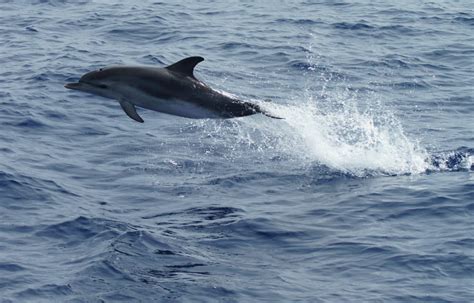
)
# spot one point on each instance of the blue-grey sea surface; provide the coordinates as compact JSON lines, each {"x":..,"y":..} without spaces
{"x":363,"y":193}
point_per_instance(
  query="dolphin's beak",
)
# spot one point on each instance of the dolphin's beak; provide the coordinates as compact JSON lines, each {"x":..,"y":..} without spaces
{"x":76,"y":85}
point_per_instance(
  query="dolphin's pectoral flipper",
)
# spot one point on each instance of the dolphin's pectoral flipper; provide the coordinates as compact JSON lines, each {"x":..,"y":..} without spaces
{"x":130,"y":110}
{"x":186,"y":66}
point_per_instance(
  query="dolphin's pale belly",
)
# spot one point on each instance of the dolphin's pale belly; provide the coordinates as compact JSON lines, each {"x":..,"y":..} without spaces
{"x":172,"y":106}
{"x":180,"y":108}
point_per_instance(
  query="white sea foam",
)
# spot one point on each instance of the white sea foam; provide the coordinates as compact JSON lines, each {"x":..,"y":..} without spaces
{"x":336,"y":132}
{"x":347,"y":139}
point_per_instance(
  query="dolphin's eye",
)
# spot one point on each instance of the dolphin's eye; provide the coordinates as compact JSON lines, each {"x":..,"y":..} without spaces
{"x":101,"y":69}
{"x":102,"y":86}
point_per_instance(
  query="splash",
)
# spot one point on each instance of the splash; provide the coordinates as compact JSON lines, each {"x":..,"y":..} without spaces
{"x":340,"y":128}
{"x":335,"y":131}
{"x":346,"y":138}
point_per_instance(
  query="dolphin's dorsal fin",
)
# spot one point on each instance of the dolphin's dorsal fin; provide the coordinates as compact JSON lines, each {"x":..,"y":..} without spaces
{"x":185,"y":66}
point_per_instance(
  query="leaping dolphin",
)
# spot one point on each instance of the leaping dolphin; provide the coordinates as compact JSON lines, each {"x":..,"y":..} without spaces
{"x":173,"y":90}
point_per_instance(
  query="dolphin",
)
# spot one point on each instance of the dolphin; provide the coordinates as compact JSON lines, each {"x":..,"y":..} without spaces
{"x":172,"y":90}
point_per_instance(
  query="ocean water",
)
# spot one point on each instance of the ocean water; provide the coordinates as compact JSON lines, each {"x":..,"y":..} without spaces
{"x":363,"y":193}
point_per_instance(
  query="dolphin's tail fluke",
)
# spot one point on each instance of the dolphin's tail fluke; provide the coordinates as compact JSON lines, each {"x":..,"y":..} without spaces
{"x":247,"y":109}
{"x":271,"y":116}
{"x":265,"y":113}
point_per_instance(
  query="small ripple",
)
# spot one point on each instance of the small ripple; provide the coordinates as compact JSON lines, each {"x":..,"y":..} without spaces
{"x":352,"y":26}
{"x":56,"y":115}
{"x":419,"y":84}
{"x":153,"y":59}
{"x":389,"y":63}
{"x":31,"y":29}
{"x":106,"y":269}
{"x":182,"y":271}
{"x":234,"y":45}
{"x":19,"y":187}
{"x":11,"y":267}
{"x":48,"y":291}
{"x":236,"y":180}
{"x":316,"y":68}
{"x":440,"y":212}
{"x":298,"y":21}
{"x":82,"y":228}
{"x":137,"y":242}
{"x":465,"y":20}
{"x":453,"y":265}
{"x":358,"y":248}
{"x":211,"y":213}
{"x":27,"y":123}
